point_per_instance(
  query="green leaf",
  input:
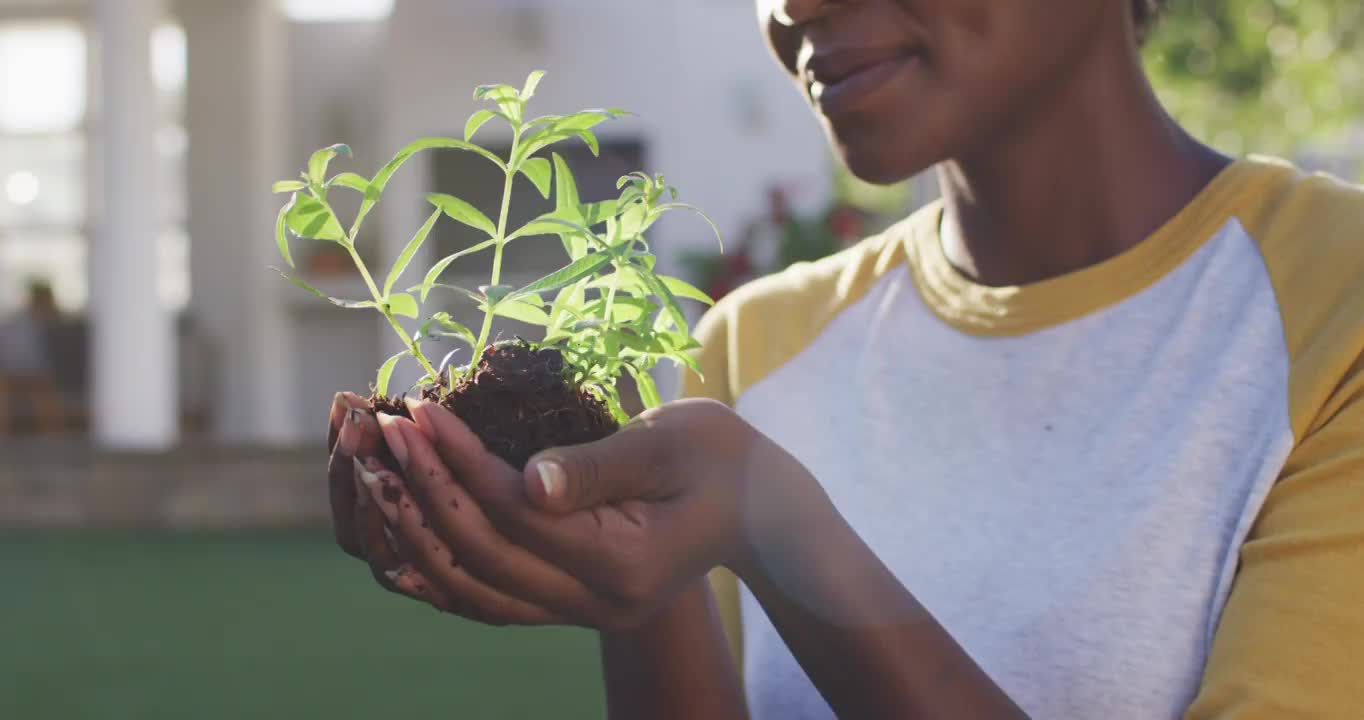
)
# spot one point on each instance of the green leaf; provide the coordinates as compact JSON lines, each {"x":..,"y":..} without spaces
{"x":485,"y":92}
{"x":435,"y":272}
{"x":532,"y":83}
{"x":625,"y":278}
{"x":550,"y":136}
{"x":454,"y":329}
{"x":508,"y":99}
{"x":311,"y":219}
{"x":590,"y":138}
{"x":282,"y":238}
{"x":475,"y":296}
{"x":666,"y":297}
{"x":634,"y":220}
{"x":352,"y":181}
{"x":386,"y":373}
{"x":405,"y":258}
{"x":566,"y":303}
{"x":301,"y":284}
{"x":317,"y":165}
{"x":463,"y":212}
{"x":354,"y":304}
{"x":544,"y":120}
{"x":538,"y":171}
{"x":496,"y":293}
{"x":432,"y":143}
{"x":477,"y":120}
{"x":565,"y":187}
{"x":549,"y":224}
{"x":648,"y":391}
{"x":403,"y":305}
{"x":685,"y":360}
{"x":287,"y":186}
{"x":596,"y":213}
{"x":581,"y":268}
{"x":381,"y":180}
{"x":684,"y":289}
{"x":684,"y":206}
{"x":518,"y":309}
{"x":633,"y":342}
{"x":591,"y":324}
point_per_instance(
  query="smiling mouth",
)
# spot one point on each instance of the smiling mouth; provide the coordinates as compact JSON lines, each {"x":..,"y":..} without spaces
{"x":837,"y":87}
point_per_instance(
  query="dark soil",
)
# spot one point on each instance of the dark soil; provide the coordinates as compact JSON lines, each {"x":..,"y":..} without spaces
{"x":518,"y":403}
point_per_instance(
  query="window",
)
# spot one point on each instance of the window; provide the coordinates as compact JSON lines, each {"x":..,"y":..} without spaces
{"x":337,"y":10}
{"x":45,"y":163}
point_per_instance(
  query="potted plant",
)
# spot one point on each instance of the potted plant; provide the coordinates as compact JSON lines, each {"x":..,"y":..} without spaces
{"x":606,"y":312}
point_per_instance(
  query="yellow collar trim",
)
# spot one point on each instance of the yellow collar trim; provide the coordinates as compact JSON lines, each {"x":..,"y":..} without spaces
{"x":1017,"y":310}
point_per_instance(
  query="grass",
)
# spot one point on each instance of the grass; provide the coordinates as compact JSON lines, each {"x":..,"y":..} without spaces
{"x":281,"y":625}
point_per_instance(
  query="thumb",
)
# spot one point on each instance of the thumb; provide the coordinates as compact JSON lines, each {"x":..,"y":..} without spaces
{"x":625,"y":466}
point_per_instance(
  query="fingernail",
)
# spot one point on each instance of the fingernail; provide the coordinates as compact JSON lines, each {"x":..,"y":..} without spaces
{"x":392,"y":575}
{"x":420,"y":418}
{"x":393,"y":435}
{"x":551,"y":476}
{"x":355,"y":416}
{"x":334,"y":423}
{"x":368,"y":478}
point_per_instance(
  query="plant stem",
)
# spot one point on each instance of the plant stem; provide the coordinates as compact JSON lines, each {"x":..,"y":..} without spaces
{"x":499,"y":241}
{"x":611,"y":298}
{"x":388,"y":315}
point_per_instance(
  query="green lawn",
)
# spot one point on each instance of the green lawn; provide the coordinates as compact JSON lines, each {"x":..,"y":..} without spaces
{"x":202,"y":627}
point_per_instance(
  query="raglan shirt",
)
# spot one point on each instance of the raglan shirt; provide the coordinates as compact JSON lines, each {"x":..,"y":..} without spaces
{"x":1132,"y":491}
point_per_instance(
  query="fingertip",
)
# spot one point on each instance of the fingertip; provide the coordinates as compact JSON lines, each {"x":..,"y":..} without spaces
{"x":393,"y":435}
{"x":335,"y":419}
{"x":353,"y":400}
{"x":419,"y":409}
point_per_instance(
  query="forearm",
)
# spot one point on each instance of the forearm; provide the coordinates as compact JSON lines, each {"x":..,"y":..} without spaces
{"x":866,"y":643}
{"x":678,"y":665}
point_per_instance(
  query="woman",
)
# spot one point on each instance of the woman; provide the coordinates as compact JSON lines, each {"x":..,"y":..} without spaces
{"x":1083,"y":440}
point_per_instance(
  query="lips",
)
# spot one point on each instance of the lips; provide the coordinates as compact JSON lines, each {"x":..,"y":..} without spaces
{"x":841,"y":81}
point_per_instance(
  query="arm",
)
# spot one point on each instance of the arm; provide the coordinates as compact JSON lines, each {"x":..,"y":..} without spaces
{"x":677,"y":665}
{"x":1290,"y":642}
{"x":869,"y":647}
{"x":639,"y":519}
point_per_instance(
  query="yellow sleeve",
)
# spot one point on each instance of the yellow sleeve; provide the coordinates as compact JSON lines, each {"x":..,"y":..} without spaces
{"x":1290,"y":642}
{"x":762,"y":325}
{"x":713,"y":357}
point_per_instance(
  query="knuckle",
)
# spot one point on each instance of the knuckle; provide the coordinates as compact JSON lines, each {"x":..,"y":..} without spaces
{"x":583,"y":475}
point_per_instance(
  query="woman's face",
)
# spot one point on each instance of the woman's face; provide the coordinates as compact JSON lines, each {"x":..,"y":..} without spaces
{"x":904,"y":84}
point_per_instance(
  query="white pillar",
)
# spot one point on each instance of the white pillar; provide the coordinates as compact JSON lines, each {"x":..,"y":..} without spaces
{"x":132,"y":356}
{"x":237,"y":125}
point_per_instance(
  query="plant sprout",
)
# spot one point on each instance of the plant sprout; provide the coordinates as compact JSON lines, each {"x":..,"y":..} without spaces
{"x":610,"y":314}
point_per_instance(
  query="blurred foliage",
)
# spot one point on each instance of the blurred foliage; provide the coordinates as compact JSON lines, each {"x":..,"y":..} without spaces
{"x":1261,"y":76}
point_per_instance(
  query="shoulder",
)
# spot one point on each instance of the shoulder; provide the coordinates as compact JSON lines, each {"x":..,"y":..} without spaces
{"x":765,"y":323}
{"x":1310,"y":230}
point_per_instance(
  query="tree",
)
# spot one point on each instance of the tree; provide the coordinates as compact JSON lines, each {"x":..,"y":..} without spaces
{"x":1264,"y":76}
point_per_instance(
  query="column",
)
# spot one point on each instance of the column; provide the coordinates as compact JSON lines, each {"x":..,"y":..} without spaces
{"x":237,"y":125}
{"x":132,"y":353}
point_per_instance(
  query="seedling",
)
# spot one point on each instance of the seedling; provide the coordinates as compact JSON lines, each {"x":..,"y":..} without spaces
{"x":606,"y":312}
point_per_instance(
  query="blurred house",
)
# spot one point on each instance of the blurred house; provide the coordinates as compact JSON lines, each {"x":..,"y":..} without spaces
{"x":139,"y":139}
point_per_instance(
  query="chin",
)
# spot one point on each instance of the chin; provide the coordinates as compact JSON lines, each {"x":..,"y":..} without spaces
{"x":872,"y":162}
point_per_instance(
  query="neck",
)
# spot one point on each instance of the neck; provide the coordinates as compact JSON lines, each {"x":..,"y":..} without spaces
{"x":1090,"y":170}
